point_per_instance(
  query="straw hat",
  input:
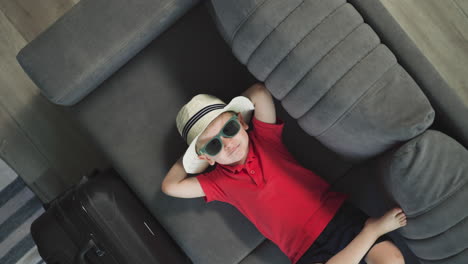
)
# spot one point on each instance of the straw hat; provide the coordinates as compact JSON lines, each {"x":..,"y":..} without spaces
{"x":197,"y":114}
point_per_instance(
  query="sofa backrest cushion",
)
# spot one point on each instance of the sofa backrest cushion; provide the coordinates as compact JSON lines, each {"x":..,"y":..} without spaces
{"x":91,"y":41}
{"x":330,"y":71}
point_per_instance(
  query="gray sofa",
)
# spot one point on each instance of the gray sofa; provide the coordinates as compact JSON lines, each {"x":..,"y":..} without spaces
{"x":363,"y":108}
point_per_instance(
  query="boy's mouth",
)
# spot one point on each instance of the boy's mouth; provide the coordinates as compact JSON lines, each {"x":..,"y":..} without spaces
{"x":234,"y":150}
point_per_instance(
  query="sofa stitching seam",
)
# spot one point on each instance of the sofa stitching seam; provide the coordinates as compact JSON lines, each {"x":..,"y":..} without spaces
{"x":273,"y":30}
{"x":233,"y":35}
{"x":436,"y":203}
{"x":299,"y":42}
{"x":341,"y":77}
{"x":321,"y":59}
{"x":370,"y":90}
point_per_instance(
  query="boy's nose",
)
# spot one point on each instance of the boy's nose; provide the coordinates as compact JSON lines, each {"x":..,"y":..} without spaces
{"x":228,"y":143}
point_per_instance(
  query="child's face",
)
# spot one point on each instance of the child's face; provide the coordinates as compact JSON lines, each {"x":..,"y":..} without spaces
{"x":234,"y":149}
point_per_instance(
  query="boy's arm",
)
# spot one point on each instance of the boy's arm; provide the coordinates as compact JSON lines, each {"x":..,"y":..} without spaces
{"x":177,"y":184}
{"x":263,"y":103}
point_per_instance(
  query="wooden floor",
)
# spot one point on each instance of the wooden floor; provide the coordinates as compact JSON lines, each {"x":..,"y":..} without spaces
{"x":39,"y":140}
{"x":440,"y":30}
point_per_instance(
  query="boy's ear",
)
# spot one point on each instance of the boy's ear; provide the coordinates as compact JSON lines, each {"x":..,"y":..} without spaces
{"x":241,"y":120}
{"x":205,"y":157}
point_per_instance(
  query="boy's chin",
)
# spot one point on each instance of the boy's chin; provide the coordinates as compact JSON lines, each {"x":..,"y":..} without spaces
{"x":232,"y":162}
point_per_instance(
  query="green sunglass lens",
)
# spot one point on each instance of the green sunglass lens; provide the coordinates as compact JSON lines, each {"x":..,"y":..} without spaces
{"x":231,"y":128}
{"x":213,"y":147}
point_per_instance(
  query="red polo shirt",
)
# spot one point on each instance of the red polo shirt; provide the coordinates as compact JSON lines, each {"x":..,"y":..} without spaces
{"x":289,"y":204}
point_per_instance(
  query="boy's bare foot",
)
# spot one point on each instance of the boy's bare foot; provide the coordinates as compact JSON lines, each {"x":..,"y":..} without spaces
{"x":391,"y":220}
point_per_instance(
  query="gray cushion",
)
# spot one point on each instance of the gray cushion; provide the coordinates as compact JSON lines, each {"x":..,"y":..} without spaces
{"x":428,"y":178}
{"x":295,"y":33}
{"x":434,"y":221}
{"x":444,"y":245}
{"x":95,"y":38}
{"x":392,"y":111}
{"x":425,"y":172}
{"x":330,"y":72}
{"x":266,"y":253}
{"x":234,"y":13}
{"x":457,"y":259}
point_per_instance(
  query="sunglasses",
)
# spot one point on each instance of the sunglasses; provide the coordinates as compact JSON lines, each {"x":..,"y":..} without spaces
{"x":215,"y":145}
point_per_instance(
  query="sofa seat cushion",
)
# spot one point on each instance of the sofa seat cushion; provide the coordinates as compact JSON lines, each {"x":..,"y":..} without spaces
{"x":266,"y":253}
{"x":131,"y":117}
{"x":330,"y":71}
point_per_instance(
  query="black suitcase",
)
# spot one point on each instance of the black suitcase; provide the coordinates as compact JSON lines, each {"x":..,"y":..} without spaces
{"x":101,"y":221}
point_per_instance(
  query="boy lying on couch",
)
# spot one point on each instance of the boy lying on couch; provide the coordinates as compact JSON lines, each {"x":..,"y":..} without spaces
{"x":289,"y":204}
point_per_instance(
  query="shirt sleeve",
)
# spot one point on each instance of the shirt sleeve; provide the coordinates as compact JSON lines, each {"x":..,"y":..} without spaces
{"x":272,"y":132}
{"x":209,"y":184}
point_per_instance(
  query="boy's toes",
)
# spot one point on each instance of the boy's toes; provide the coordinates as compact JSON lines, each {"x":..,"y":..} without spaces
{"x":401,"y":216}
{"x":403,"y":222}
{"x":396,"y":211}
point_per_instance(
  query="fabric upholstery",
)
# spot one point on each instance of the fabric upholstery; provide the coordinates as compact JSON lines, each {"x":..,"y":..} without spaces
{"x":84,"y":60}
{"x":327,"y":67}
{"x":132,"y":117}
{"x":329,"y":70}
{"x":428,"y":178}
{"x":434,"y":221}
{"x":233,"y":14}
{"x":444,"y":245}
{"x":266,"y":253}
{"x":425,"y":172}
{"x":132,"y":114}
{"x":457,"y":259}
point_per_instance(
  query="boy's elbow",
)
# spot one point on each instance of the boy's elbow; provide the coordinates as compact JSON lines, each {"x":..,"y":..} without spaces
{"x":171,"y":189}
{"x":166,"y":188}
{"x":163,"y":188}
{"x":259,"y":88}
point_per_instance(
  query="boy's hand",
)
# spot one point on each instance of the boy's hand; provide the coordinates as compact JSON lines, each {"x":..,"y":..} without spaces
{"x":263,"y":103}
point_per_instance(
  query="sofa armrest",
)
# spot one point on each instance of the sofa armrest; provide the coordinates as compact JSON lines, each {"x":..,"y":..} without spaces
{"x":428,"y":178}
{"x":91,"y":41}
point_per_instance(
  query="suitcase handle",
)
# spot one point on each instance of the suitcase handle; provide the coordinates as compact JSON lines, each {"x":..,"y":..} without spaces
{"x":80,"y":256}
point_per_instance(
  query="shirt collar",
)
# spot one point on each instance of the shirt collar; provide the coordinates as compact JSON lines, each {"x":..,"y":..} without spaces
{"x":237,"y":168}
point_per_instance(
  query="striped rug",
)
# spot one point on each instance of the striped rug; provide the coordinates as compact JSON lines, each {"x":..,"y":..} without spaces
{"x":18,"y":209}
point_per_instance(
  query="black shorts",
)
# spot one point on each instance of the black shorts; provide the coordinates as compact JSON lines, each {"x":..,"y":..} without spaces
{"x":342,"y":229}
